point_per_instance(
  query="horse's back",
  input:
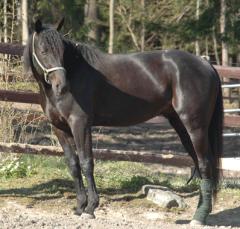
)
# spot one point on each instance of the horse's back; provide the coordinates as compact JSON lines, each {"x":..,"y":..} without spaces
{"x":139,"y":86}
{"x":172,"y":61}
{"x":152,"y":75}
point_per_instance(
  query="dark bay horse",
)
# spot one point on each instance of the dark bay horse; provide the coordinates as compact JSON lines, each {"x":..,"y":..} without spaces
{"x":82,"y":87}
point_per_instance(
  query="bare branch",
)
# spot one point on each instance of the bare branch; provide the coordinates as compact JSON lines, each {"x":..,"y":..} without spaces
{"x":127,"y":22}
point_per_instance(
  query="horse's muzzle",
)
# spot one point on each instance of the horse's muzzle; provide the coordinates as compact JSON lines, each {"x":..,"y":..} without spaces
{"x":59,"y":83}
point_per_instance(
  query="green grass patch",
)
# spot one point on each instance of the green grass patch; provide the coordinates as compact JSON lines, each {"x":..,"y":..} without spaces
{"x":41,"y":178}
{"x":32,"y":165}
{"x":120,"y":177}
{"x":51,"y":174}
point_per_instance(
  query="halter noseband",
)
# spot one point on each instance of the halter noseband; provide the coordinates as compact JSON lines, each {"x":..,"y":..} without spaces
{"x":45,"y":70}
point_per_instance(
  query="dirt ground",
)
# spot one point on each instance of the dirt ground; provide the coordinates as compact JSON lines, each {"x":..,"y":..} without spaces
{"x":128,"y":211}
{"x":114,"y":212}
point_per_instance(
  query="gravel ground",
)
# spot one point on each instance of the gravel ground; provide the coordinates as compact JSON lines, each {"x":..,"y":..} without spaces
{"x":15,"y":215}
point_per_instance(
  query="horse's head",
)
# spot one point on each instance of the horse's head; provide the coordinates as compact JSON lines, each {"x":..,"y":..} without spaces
{"x":46,"y":50}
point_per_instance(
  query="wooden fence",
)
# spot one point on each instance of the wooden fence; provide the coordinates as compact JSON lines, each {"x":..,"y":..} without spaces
{"x":104,"y":154}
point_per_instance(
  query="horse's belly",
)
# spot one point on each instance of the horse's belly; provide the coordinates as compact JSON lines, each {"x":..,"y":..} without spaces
{"x":125,"y":117}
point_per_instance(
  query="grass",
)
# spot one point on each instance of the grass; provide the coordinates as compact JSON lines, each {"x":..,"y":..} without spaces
{"x":48,"y":184}
{"x":111,"y":177}
{"x":16,"y":126}
{"x":48,"y":179}
{"x":15,"y":79}
{"x":45,"y":182}
{"x":19,"y":86}
{"x":50,"y":174}
{"x":120,"y":177}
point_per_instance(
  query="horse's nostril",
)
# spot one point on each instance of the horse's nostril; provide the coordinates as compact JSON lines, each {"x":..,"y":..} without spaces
{"x":64,"y":89}
{"x":61,"y":88}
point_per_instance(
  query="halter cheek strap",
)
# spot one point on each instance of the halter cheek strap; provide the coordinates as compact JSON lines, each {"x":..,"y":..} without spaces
{"x":46,"y":71}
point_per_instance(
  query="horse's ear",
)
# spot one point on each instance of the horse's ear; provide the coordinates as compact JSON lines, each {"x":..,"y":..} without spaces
{"x":60,"y":24}
{"x":38,"y":26}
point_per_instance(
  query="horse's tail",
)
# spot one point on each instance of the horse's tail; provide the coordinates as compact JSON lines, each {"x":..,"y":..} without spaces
{"x":215,"y":137}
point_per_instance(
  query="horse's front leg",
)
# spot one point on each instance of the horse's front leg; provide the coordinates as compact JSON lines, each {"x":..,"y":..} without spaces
{"x":81,"y":130}
{"x":68,"y":145}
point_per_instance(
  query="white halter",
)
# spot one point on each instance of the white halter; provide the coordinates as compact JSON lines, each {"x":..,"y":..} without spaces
{"x":45,"y":70}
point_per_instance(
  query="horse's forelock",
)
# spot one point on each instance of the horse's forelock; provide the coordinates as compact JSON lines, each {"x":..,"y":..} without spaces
{"x":53,"y":40}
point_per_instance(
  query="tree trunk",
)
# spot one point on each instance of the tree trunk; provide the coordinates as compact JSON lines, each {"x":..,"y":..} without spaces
{"x":143,"y":26}
{"x":111,"y":26}
{"x":197,"y":48}
{"x":223,"y":33}
{"x":91,"y":20}
{"x":206,"y":47}
{"x":215,"y":46}
{"x":24,"y":17}
{"x":207,"y":37}
{"x":13,"y":21}
{"x":5,"y":21}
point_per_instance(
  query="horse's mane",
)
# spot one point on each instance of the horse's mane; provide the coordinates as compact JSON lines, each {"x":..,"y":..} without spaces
{"x":89,"y":53}
{"x":92,"y":55}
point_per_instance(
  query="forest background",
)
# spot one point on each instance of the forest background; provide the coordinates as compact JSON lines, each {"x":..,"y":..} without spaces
{"x":202,"y":27}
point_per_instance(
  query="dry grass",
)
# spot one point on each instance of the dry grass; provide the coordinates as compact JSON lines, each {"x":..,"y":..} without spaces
{"x":15,"y":125}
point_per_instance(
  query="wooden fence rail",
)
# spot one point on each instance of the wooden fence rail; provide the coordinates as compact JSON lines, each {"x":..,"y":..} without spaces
{"x":19,"y":96}
{"x":180,"y":160}
{"x":11,"y":49}
{"x":230,"y":166}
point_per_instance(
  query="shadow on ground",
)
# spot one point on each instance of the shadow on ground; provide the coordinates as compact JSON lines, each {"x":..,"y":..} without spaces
{"x":227,"y":218}
{"x":44,"y":191}
{"x":57,"y":187}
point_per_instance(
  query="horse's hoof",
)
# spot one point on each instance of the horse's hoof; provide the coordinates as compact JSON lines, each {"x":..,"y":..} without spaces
{"x":87,"y":216}
{"x":196,"y":223}
{"x":78,"y":211}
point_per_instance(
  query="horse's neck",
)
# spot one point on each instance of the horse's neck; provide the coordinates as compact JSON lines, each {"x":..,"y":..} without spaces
{"x":92,"y":56}
{"x":81,"y":57}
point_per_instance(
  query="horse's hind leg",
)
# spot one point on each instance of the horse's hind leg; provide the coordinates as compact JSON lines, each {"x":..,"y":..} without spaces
{"x":177,"y":124}
{"x":68,"y":146}
{"x":194,"y":136}
{"x":200,"y":141}
{"x":199,"y":137}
